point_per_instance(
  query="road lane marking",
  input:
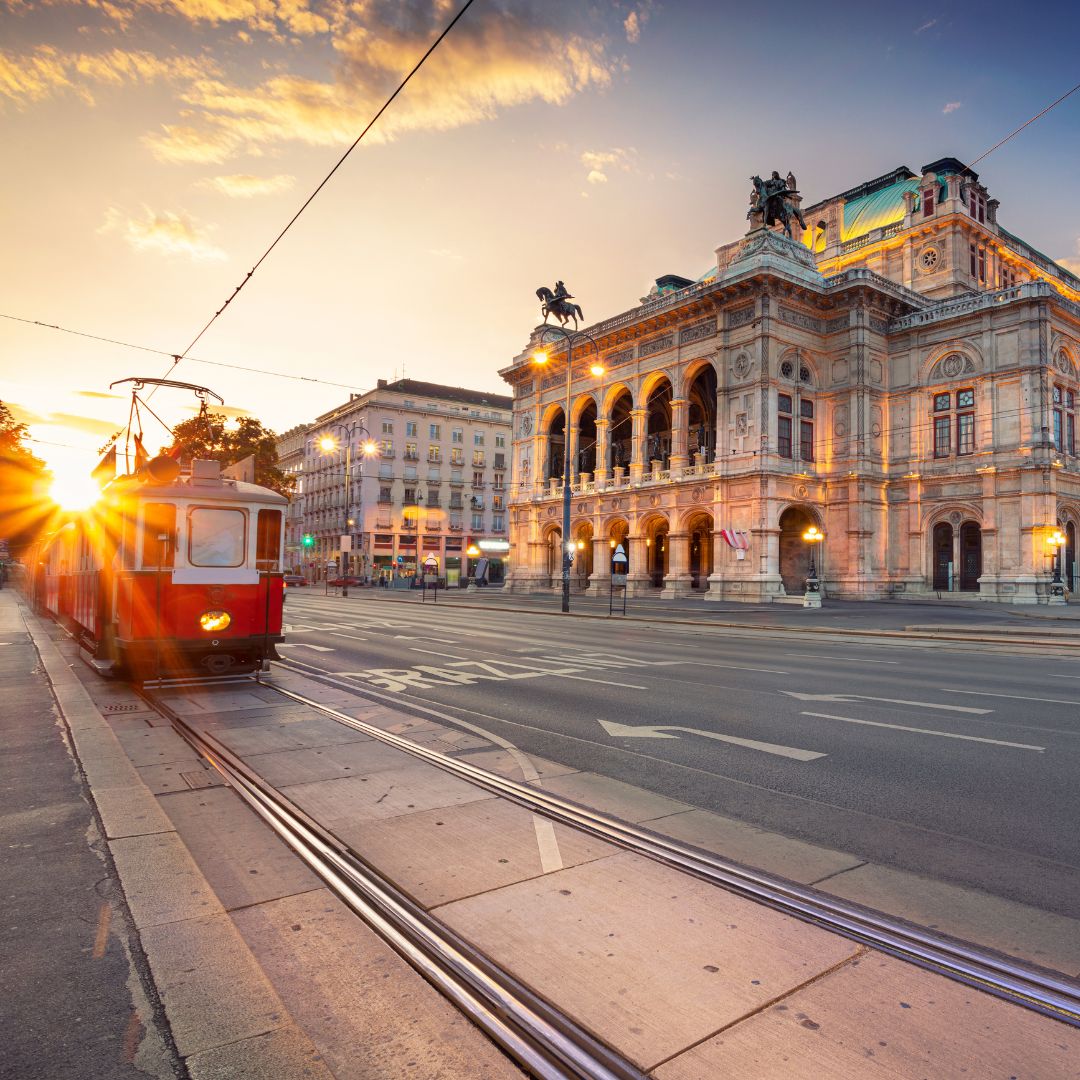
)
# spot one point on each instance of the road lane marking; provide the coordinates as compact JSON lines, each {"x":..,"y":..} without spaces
{"x":659,"y":731}
{"x":856,"y":659}
{"x":848,"y":699}
{"x":1065,"y":676}
{"x":1015,"y":697}
{"x":355,"y":637}
{"x":305,"y":645}
{"x":101,"y":939}
{"x":734,"y":667}
{"x":926,"y":731}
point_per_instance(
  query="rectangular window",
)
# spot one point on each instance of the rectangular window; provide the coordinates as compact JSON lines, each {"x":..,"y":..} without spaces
{"x":434,"y":453}
{"x":386,"y":470}
{"x":982,"y":265}
{"x":216,"y":536}
{"x":783,"y":431}
{"x":478,"y":479}
{"x":478,"y":438}
{"x":974,"y":259}
{"x":942,"y":443}
{"x":434,"y":431}
{"x":497,"y":523}
{"x":384,"y":494}
{"x":806,"y":409}
{"x":477,"y":522}
{"x":457,"y":436}
{"x":942,"y":402}
{"x":500,"y":461}
{"x":386,"y":448}
{"x":499,"y":482}
{"x":410,"y":451}
{"x":159,"y":535}
{"x":928,"y":202}
{"x":1057,"y":429}
{"x":410,"y":428}
{"x":268,"y":540}
{"x":965,"y":433}
{"x":1070,"y":433}
{"x":783,"y":403}
{"x":410,"y":495}
{"x":1057,"y":395}
{"x":497,"y":503}
{"x":478,"y":457}
{"x":1070,"y":400}
{"x":434,"y":476}
{"x":500,"y":440}
{"x":806,"y":440}
{"x":388,"y":427}
{"x":409,"y":472}
{"x":965,"y":399}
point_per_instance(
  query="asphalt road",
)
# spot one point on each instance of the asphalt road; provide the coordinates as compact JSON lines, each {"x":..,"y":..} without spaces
{"x":958,"y":761}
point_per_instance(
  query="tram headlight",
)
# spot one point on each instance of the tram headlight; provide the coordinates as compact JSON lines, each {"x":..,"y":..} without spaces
{"x":212,"y":621}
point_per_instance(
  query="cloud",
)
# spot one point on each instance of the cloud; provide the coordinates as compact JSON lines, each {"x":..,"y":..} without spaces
{"x":634,"y":22}
{"x":926,"y":26}
{"x":163,"y":232}
{"x":446,"y":253}
{"x":951,"y":107}
{"x":1070,"y":264}
{"x":98,"y":395}
{"x":181,"y":144}
{"x":247,"y":186}
{"x":90,"y":424}
{"x":47,"y":71}
{"x":600,"y":162}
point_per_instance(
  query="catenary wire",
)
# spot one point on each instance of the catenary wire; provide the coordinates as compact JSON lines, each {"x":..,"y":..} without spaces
{"x":326,"y":179}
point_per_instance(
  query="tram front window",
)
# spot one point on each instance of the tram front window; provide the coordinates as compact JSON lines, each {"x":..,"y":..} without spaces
{"x":216,"y":537}
{"x":158,"y":535}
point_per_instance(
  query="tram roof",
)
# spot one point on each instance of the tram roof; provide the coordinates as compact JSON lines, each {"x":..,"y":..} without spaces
{"x":187,"y":487}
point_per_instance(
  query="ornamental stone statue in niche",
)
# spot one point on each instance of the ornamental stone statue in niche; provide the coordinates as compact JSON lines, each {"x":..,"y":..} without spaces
{"x":774,"y":200}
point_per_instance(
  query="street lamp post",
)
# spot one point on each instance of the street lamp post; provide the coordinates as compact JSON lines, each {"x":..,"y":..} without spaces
{"x":597,"y":370}
{"x":812,"y":596}
{"x":1056,"y":541}
{"x":328,"y":444}
{"x":472,"y":552}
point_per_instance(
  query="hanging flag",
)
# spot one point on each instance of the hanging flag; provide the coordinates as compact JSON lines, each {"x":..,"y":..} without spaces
{"x":141,"y":456}
{"x":738,"y":539}
{"x":105,"y":470}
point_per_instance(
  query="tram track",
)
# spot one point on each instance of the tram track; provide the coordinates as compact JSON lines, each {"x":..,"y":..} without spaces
{"x":1003,"y":977}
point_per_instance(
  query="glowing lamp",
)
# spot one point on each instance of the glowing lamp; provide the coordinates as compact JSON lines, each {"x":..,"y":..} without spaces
{"x":540,"y":358}
{"x":327,"y":443}
{"x":472,"y":551}
{"x":213,"y":621}
{"x":370,"y":447}
{"x":597,"y":370}
{"x":813,"y":535}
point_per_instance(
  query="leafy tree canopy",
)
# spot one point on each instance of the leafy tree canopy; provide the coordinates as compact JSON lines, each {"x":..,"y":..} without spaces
{"x":195,"y":438}
{"x":24,"y":506}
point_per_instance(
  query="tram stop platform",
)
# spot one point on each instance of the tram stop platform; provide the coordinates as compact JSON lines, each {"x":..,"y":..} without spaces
{"x":155,"y":926}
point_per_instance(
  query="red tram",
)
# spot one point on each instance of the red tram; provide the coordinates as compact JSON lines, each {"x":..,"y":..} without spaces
{"x":170,"y":573}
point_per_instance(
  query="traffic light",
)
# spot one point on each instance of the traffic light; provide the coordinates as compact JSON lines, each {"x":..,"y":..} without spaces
{"x":309,"y":540}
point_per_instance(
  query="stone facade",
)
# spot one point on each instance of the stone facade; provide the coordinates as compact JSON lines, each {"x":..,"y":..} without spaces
{"x":436,"y":484}
{"x":912,"y":390}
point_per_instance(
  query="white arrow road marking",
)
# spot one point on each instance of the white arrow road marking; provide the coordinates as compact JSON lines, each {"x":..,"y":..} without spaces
{"x":649,"y":731}
{"x":1016,"y":697}
{"x":849,"y":699}
{"x":926,"y":731}
{"x":305,"y":645}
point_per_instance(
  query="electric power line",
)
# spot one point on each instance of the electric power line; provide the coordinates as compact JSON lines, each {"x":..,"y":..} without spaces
{"x":326,"y":179}
{"x":193,"y":359}
{"x":1002,"y":142}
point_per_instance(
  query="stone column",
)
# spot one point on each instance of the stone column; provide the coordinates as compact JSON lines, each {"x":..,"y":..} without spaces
{"x":680,"y":432}
{"x":637,"y":449}
{"x":716,"y":578}
{"x":677,"y":580}
{"x":574,"y":435}
{"x":601,"y":561}
{"x":638,"y":581}
{"x":601,"y":449}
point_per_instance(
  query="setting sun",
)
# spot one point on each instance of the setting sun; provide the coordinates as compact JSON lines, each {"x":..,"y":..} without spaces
{"x":72,"y":491}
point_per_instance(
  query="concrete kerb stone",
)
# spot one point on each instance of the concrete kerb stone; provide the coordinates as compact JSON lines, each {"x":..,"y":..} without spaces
{"x":224,"y":1010}
{"x":843,"y":631}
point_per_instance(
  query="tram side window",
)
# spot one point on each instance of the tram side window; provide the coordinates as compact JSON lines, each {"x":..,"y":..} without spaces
{"x":216,"y":537}
{"x":268,"y":540}
{"x":127,"y":537}
{"x":159,"y":520}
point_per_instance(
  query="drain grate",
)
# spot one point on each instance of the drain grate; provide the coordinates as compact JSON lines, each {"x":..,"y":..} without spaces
{"x":122,"y":706}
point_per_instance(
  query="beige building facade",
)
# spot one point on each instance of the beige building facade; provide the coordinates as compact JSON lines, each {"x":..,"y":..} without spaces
{"x":902,"y":375}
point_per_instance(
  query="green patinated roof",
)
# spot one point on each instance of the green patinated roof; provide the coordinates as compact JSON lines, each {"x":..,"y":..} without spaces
{"x":875,"y":211}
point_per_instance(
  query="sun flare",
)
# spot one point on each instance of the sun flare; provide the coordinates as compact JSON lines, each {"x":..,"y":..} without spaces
{"x":73,"y":492}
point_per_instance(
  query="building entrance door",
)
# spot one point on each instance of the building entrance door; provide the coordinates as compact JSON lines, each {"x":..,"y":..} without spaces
{"x":794,"y":550}
{"x":970,"y":556}
{"x":943,"y":542}
{"x":1069,"y":573}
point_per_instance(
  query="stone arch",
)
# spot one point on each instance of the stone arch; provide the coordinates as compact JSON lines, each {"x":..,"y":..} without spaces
{"x":654,"y":528}
{"x":656,"y":396}
{"x":1063,"y":357}
{"x":585,"y":415}
{"x":698,"y":525}
{"x":553,"y":412}
{"x":701,"y":382}
{"x":795,"y":554}
{"x":551,"y":537}
{"x":612,"y":395}
{"x":618,"y":408}
{"x":581,"y":403}
{"x":954,"y":538}
{"x":582,"y":533}
{"x":952,"y":360}
{"x":650,"y":381}
{"x":553,"y":430}
{"x":692,"y":370}
{"x":798,"y":367}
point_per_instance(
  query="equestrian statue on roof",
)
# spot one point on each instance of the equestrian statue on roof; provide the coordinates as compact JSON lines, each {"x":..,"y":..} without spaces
{"x":773,"y":201}
{"x":557,"y":303}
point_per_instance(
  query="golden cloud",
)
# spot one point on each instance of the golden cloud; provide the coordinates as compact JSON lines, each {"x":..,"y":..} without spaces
{"x":163,"y":232}
{"x":48,"y":71}
{"x":600,"y":162}
{"x":247,"y":186}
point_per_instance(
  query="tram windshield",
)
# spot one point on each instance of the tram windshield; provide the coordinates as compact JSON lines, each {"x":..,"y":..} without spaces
{"x":216,"y":536}
{"x":159,"y":534}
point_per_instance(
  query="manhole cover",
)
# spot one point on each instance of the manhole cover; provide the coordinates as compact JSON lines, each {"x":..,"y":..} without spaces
{"x":121,"y":706}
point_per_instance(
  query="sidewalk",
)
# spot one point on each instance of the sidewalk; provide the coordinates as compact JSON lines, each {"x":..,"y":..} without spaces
{"x":256,"y":962}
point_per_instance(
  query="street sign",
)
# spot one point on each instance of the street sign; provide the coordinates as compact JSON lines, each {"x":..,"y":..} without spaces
{"x":345,"y":544}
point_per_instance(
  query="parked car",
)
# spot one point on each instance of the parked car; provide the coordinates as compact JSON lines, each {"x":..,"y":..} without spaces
{"x":295,"y":580}
{"x":336,"y":583}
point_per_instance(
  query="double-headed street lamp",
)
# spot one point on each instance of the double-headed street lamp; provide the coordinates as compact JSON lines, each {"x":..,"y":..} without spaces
{"x":1056,"y":541}
{"x":329,"y":444}
{"x":597,"y":370}
{"x":812,"y":596}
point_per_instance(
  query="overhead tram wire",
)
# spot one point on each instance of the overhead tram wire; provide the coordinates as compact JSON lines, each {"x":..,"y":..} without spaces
{"x":193,"y":359}
{"x":326,"y":179}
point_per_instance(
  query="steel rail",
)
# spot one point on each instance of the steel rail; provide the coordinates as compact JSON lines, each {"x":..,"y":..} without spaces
{"x":543,"y":1040}
{"x":1003,"y":977}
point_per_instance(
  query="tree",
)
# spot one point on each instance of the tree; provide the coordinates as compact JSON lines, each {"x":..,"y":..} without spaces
{"x":208,"y":438}
{"x":24,"y":481}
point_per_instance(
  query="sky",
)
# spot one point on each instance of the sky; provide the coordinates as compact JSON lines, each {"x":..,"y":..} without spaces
{"x":155,"y":148}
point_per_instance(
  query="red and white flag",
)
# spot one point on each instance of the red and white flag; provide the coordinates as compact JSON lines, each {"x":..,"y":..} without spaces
{"x":736,"y":538}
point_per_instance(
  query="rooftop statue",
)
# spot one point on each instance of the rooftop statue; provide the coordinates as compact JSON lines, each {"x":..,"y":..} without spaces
{"x":772,"y":201}
{"x":557,"y":303}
